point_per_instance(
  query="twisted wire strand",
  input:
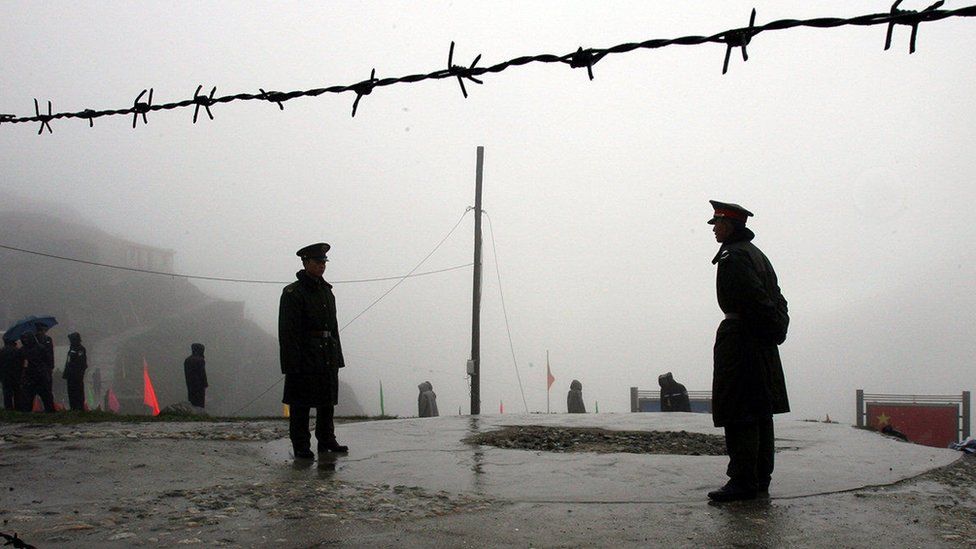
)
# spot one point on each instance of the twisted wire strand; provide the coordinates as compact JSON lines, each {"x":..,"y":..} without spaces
{"x":736,"y":37}
{"x":220,"y":278}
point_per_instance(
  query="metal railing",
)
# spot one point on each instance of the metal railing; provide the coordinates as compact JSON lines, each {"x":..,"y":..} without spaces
{"x":637,"y":395}
{"x":961,"y":401}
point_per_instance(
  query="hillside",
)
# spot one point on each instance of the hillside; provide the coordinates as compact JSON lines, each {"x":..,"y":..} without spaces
{"x":125,"y":316}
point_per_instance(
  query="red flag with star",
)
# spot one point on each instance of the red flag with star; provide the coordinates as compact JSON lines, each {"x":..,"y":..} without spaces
{"x":930,"y":424}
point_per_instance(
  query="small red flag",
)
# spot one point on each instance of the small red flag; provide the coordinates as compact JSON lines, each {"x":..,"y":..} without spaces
{"x":501,"y":407}
{"x":112,"y":401}
{"x":148,"y":393}
{"x":550,"y":380}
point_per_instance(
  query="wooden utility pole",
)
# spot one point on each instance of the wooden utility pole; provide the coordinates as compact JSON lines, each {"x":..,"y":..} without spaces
{"x":474,"y":369}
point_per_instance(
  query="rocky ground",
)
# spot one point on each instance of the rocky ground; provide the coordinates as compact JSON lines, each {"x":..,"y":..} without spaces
{"x":565,"y":439}
{"x":215,"y":484}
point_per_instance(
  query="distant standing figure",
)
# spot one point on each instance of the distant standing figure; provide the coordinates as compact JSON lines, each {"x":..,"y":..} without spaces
{"x":574,"y":400}
{"x":96,"y":378}
{"x":195,"y":370}
{"x":674,"y":396}
{"x":37,"y":374}
{"x":74,"y":372}
{"x":47,"y":344}
{"x":310,"y":353}
{"x":748,"y":385}
{"x":11,"y":373}
{"x":427,"y":400}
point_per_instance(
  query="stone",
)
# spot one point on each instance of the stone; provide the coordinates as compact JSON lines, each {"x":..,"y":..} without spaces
{"x":183,"y":408}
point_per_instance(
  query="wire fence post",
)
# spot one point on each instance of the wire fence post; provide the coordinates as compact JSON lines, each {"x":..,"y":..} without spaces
{"x":476,"y":292}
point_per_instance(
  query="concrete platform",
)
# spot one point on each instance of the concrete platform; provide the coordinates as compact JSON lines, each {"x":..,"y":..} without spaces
{"x":812,"y":459}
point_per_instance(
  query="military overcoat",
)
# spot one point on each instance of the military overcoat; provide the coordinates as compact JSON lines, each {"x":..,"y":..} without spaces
{"x":308,"y":339}
{"x":748,"y":382}
{"x":195,"y":373}
{"x":77,"y":362}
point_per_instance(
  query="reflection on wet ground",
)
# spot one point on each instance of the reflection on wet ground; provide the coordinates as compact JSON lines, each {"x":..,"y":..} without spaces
{"x":430,"y":453}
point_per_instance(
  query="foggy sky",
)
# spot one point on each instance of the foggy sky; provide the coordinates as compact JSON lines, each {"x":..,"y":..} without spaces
{"x":856,"y":162}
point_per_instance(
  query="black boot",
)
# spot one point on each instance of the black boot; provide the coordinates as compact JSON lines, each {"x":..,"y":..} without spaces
{"x":333,"y":446}
{"x":304,"y":454}
{"x":730,"y":492}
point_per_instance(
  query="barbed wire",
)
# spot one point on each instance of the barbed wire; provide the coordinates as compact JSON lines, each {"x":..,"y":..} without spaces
{"x":582,"y":57}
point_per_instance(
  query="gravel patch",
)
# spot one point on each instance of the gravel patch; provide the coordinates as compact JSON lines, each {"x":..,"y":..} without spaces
{"x":241,"y":432}
{"x":566,"y":439}
{"x":951,"y":491}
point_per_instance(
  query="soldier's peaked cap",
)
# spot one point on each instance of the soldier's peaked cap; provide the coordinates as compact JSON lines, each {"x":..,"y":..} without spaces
{"x":314,"y":251}
{"x":724,"y":210}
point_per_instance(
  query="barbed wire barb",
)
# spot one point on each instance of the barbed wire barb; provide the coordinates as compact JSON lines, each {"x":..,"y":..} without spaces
{"x":913,"y":22}
{"x":460,"y":72}
{"x":583,"y":58}
{"x":273,"y":97}
{"x":141,"y":108}
{"x":739,"y":38}
{"x":90,"y":115}
{"x":363,"y":88}
{"x":203,"y":101}
{"x":45,"y":119}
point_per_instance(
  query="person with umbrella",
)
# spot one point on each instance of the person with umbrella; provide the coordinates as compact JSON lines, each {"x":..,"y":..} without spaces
{"x":29,"y":325}
{"x":37,"y":375}
{"x":38,"y":351}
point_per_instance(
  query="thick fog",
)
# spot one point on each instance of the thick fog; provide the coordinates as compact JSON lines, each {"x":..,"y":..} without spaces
{"x":857,"y":163}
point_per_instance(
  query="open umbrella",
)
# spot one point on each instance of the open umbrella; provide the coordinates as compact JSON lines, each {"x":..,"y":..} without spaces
{"x":26,"y":326}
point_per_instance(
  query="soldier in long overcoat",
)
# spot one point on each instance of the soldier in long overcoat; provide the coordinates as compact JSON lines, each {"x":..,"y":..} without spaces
{"x":195,"y":372}
{"x":748,"y":385}
{"x":311,"y":353}
{"x":427,"y":401}
{"x":574,"y":399}
{"x":74,"y":371}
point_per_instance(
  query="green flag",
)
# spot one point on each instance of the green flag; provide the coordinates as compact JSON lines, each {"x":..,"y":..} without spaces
{"x":382,"y":410}
{"x":598,"y":406}
{"x":90,"y":398}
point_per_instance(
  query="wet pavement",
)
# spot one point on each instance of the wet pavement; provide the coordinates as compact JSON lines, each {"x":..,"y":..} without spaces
{"x":812,"y":458}
{"x":415,"y":483}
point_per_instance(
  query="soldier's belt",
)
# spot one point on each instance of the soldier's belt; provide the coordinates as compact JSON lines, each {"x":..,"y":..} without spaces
{"x":732,"y":316}
{"x":322,"y":334}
